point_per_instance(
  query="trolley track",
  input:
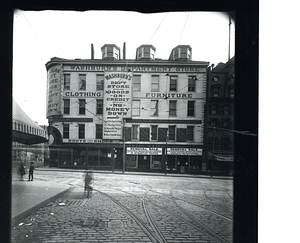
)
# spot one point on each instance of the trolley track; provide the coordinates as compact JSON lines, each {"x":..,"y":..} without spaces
{"x":187,"y":218}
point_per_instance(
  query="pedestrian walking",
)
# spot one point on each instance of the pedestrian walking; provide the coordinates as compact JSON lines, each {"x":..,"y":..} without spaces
{"x":31,"y":169}
{"x":88,"y":183}
{"x":21,"y":171}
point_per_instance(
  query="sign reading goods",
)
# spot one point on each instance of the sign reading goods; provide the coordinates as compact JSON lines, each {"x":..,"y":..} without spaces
{"x":117,"y":103}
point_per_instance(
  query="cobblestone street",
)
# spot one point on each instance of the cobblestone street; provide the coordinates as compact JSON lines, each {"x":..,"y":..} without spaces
{"x":132,"y":208}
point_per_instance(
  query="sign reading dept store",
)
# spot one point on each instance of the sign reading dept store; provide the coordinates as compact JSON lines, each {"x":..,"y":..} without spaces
{"x":117,"y":103}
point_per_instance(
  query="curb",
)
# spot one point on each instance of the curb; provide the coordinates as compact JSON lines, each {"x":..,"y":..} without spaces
{"x":31,"y":210}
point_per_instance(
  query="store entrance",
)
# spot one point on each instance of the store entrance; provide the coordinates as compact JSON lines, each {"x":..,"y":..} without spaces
{"x":144,"y":162}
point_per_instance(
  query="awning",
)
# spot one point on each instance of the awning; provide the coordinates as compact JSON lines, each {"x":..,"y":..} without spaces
{"x":26,"y":138}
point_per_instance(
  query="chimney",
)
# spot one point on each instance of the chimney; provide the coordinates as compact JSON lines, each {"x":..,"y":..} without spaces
{"x":124,"y":50}
{"x":92,"y":51}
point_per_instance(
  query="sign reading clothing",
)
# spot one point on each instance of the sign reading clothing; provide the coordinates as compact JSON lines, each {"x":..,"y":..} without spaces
{"x":117,"y":102}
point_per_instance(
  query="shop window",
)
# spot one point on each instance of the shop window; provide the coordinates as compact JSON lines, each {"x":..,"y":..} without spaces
{"x":191,"y":108}
{"x":172,"y":133}
{"x":131,"y":161}
{"x":81,"y":131}
{"x":154,"y":108}
{"x":154,"y":132}
{"x":154,"y":83}
{"x":99,"y":108}
{"x":136,"y":83}
{"x":144,"y":134}
{"x":190,"y":133}
{"x":99,"y":134}
{"x":82,"y":106}
{"x":100,"y":82}
{"x":66,"y":106}
{"x":135,"y":132}
{"x":173,"y":83}
{"x":172,"y":107}
{"x":192,"y":83}
{"x":67,"y":81}
{"x":135,"y":108}
{"x":66,"y":130}
{"x":82,"y":82}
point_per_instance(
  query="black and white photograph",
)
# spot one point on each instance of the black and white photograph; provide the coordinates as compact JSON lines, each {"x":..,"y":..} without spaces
{"x":123,"y":126}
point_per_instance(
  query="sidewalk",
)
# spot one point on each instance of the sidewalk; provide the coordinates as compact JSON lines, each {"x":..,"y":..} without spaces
{"x":42,"y":168}
{"x":28,"y":196}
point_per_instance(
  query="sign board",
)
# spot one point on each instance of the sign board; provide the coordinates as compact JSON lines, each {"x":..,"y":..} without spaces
{"x":54,"y":90}
{"x":144,"y":151}
{"x":184,"y":151}
{"x":117,"y":103}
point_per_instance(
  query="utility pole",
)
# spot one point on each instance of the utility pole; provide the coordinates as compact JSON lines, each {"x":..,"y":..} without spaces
{"x":124,"y":152}
{"x":213,"y":153}
{"x":166,"y":163}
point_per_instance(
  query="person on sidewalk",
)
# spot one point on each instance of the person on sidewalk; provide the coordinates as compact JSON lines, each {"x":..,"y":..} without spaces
{"x":87,"y":183}
{"x":21,"y":171}
{"x":31,"y":169}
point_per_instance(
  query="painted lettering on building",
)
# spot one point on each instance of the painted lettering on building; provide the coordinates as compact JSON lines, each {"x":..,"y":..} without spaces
{"x":54,"y":91}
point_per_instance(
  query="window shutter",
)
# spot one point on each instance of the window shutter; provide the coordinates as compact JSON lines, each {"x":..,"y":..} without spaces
{"x":144,"y":134}
{"x":181,"y":135}
{"x":127,"y":133}
{"x":162,"y":134}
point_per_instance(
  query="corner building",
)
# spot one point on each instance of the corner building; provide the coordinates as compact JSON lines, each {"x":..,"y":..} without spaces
{"x":132,"y":115}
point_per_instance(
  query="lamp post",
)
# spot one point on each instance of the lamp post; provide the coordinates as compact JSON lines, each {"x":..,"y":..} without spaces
{"x":213,"y":152}
{"x":166,"y":163}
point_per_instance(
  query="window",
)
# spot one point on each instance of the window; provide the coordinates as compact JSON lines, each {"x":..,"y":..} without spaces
{"x":135,"y":132}
{"x":154,"y":108}
{"x":172,"y":108}
{"x":82,"y":82}
{"x":232,"y":93}
{"x":172,"y":132}
{"x":215,"y":91}
{"x":214,"y":108}
{"x":192,"y":83}
{"x":100,"y":81}
{"x":135,"y":108}
{"x":66,"y":130}
{"x":81,"y":106}
{"x":155,"y":83}
{"x":66,"y":81}
{"x":190,"y":133}
{"x":99,"y":108}
{"x":173,"y":83}
{"x":81,"y":131}
{"x":191,"y":108}
{"x":154,"y":132}
{"x":66,"y":106}
{"x":136,"y":83}
{"x":99,"y":131}
{"x":117,"y":56}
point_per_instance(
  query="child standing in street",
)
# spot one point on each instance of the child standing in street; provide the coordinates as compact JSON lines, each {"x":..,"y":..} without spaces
{"x":31,"y":169}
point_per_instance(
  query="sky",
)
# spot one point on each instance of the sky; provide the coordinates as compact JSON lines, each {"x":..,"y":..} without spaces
{"x":40,"y":35}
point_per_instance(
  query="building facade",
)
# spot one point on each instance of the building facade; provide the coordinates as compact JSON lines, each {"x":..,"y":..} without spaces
{"x":144,"y":114}
{"x":219,"y":125}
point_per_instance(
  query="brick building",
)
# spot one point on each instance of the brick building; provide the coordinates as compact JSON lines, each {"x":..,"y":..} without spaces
{"x":125,"y":114}
{"x":219,"y":126}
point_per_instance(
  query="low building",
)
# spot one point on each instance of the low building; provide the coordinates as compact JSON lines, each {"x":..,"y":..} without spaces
{"x":144,"y":114}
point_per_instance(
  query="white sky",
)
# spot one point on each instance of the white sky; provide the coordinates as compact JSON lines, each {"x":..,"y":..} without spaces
{"x":41,"y":35}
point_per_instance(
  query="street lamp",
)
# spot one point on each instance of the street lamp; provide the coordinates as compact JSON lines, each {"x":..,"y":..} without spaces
{"x":166,"y":163}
